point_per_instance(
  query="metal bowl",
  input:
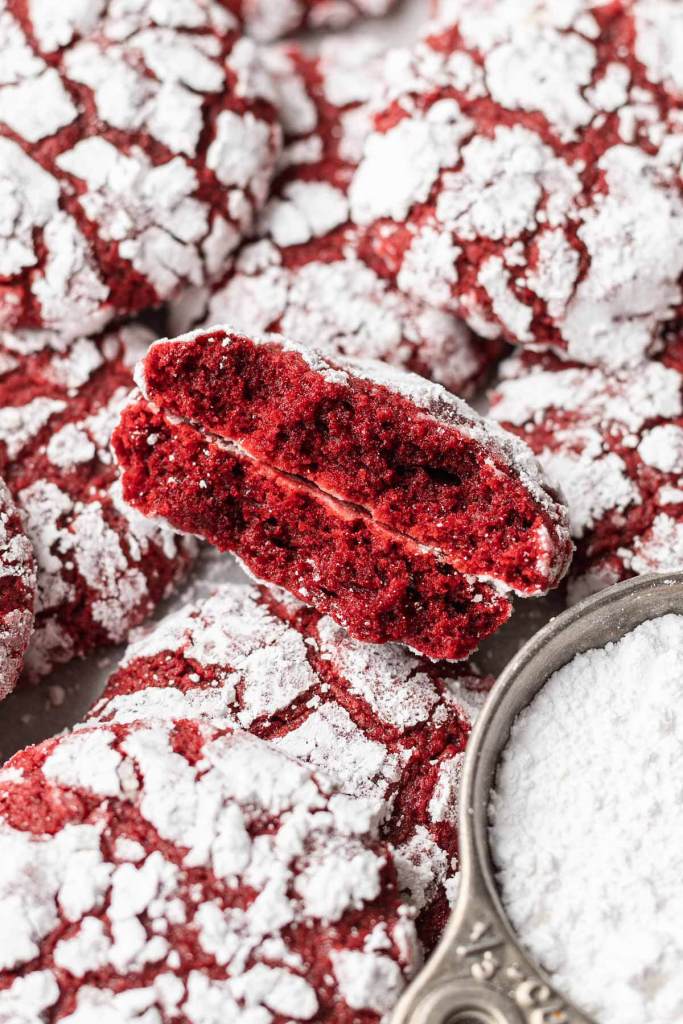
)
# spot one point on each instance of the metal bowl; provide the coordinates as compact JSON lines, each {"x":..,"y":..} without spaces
{"x":479,"y":973}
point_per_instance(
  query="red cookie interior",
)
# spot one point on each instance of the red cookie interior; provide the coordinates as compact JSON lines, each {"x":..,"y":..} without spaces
{"x":379,"y":584}
{"x":415,"y":458}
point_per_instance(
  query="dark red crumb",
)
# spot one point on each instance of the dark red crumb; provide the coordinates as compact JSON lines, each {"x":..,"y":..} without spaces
{"x":379,"y":584}
{"x":416,"y":458}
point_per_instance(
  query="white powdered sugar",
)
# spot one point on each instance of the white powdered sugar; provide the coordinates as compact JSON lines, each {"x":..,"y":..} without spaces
{"x":22,"y":423}
{"x":374,"y":320}
{"x":597,"y":826}
{"x":260,"y":662}
{"x":236,"y":661}
{"x":625,"y":233}
{"x":479,"y":185}
{"x":56,"y":25}
{"x":91,"y":549}
{"x":659,"y":38}
{"x":18,"y":577}
{"x":275,"y":284}
{"x":124,"y":101}
{"x":612,"y":443}
{"x":30,"y":197}
{"x":267,"y":21}
{"x":208,"y":903}
{"x":367,"y":980}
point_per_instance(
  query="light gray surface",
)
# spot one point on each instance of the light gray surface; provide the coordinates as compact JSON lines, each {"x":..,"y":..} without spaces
{"x":31,"y":714}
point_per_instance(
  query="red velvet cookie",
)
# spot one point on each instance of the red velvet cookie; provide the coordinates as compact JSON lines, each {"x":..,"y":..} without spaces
{"x":614,"y":443}
{"x":381,"y":722}
{"x":377,"y":497}
{"x":291,"y":277}
{"x":524,"y":172}
{"x":101,"y":567}
{"x":17,"y":591}
{"x":266,"y":20}
{"x":178,"y":872}
{"x":135,"y":147}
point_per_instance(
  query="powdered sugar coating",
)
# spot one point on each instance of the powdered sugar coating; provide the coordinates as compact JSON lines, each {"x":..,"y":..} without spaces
{"x":267,"y":21}
{"x":101,"y":567}
{"x":611,"y":938}
{"x":373,"y":718}
{"x":524,"y":172}
{"x":291,"y":277}
{"x":612,"y":442}
{"x":199,"y":871}
{"x":17,"y":591}
{"x":137,"y":144}
{"x":374,"y":321}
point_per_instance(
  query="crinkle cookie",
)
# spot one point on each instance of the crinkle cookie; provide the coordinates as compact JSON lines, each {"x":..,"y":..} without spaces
{"x":372,"y":494}
{"x":267,"y":20}
{"x":136,"y":145}
{"x":101,"y":567}
{"x":613,"y":442}
{"x":17,"y":591}
{"x":524,"y":172}
{"x":301,"y":275}
{"x":175,"y":871}
{"x":380,"y":721}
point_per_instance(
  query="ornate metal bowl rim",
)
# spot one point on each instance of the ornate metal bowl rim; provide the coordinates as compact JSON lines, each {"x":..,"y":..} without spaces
{"x":479,"y":973}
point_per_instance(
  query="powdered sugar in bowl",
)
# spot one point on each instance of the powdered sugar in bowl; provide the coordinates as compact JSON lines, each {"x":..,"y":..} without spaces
{"x":482,"y":973}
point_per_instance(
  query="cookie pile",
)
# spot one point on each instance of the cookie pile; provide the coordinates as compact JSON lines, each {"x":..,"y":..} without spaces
{"x":258,"y":819}
{"x":614,"y":442}
{"x":542,"y":196}
{"x":303,"y":254}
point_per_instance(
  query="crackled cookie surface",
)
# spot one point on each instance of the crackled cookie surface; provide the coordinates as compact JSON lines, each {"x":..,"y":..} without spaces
{"x":301,"y":276}
{"x":380,"y":721}
{"x":179,"y":872}
{"x":135,"y":147}
{"x":614,"y":443}
{"x":525,"y":172}
{"x":266,"y":20}
{"x":17,"y":591}
{"x":372,"y":494}
{"x":101,"y":567}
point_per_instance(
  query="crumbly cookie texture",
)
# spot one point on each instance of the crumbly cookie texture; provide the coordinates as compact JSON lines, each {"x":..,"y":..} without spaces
{"x":368,"y":492}
{"x":379,"y":584}
{"x":382,"y":722}
{"x":101,"y":567}
{"x":301,"y":274}
{"x":524,"y":172}
{"x":613,"y":442}
{"x":179,"y":871}
{"x":137,"y":142}
{"x":17,"y":591}
{"x":267,"y":21}
{"x":414,"y":456}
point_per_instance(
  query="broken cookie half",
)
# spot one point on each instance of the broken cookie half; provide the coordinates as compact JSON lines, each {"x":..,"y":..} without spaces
{"x":373,"y":495}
